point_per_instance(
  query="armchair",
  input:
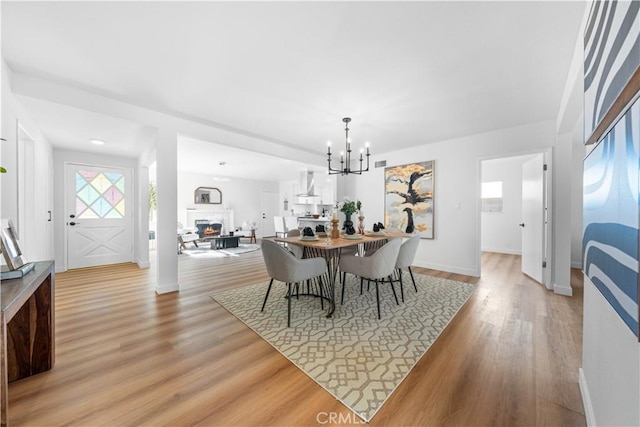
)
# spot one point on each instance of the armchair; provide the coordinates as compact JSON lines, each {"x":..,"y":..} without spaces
{"x":186,"y":236}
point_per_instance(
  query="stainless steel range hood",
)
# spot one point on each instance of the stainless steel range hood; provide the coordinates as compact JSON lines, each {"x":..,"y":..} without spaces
{"x":307,"y":183}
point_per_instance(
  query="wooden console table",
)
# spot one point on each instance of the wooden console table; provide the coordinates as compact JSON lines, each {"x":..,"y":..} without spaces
{"x":27,"y":338}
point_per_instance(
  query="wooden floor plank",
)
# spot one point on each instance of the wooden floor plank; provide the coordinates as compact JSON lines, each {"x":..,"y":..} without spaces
{"x":126,"y":356}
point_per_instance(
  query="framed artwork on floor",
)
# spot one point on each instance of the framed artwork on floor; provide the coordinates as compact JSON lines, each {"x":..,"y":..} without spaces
{"x":10,"y":248}
{"x":408,"y":198}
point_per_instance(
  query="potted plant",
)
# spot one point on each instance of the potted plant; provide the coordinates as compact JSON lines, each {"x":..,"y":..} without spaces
{"x":2,"y":170}
{"x":348,"y":208}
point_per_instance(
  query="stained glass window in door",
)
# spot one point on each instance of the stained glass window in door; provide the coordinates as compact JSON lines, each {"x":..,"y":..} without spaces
{"x":99,"y":194}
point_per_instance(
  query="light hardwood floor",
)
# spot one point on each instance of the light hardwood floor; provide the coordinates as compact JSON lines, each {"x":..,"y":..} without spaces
{"x":126,"y":356}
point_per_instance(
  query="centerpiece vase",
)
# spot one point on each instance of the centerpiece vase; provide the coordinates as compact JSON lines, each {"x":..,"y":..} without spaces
{"x":347,"y":222}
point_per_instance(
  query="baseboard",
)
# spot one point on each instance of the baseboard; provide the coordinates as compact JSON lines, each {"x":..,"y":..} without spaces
{"x":563,"y":290}
{"x":502,"y":251}
{"x":576,"y":264}
{"x":586,"y":399}
{"x":448,"y":269}
{"x":143,"y":264}
{"x":165,"y":289}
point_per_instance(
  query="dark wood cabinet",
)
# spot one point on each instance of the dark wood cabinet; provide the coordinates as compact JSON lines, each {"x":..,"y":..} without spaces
{"x":27,"y":334}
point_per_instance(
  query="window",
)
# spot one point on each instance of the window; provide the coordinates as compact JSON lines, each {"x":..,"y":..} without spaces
{"x":99,"y":194}
{"x":492,"y":196}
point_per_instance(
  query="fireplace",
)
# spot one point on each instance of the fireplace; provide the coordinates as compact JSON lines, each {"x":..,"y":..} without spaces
{"x":208,"y":229}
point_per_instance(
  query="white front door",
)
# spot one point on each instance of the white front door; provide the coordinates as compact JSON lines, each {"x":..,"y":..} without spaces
{"x":269,"y":206}
{"x":533,"y":217}
{"x":99,"y":217}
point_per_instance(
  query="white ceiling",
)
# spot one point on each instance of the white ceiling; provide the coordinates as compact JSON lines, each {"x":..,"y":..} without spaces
{"x":223,"y":161}
{"x":408,"y":73}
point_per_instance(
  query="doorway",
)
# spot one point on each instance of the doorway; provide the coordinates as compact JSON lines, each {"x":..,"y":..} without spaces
{"x":514,"y":209}
{"x":99,"y":215}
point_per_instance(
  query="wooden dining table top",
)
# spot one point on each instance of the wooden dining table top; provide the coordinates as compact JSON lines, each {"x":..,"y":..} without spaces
{"x":342,"y":241}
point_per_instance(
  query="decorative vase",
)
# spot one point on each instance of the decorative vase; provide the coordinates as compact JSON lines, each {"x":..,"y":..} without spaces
{"x":347,"y":222}
{"x":361,"y":224}
{"x":335,"y":232}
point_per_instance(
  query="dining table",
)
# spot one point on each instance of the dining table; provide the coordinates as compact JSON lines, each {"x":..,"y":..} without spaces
{"x":331,"y":248}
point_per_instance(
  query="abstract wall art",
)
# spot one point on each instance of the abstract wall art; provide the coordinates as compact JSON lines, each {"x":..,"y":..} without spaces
{"x":409,"y":198}
{"x":612,"y":215}
{"x":611,"y":63}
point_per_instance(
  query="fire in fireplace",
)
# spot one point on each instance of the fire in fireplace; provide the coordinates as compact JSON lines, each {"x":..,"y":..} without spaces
{"x":209,"y":229}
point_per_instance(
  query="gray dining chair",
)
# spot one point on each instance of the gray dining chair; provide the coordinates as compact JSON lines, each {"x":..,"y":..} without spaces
{"x":298,"y":251}
{"x":405,"y":258}
{"x":378,"y":266}
{"x":285,"y":267}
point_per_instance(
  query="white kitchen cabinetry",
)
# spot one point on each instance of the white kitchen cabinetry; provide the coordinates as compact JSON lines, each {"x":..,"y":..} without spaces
{"x":326,"y":195}
{"x":302,"y":200}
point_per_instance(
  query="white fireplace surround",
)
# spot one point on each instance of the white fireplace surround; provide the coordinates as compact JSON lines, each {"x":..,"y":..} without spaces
{"x":224,"y":217}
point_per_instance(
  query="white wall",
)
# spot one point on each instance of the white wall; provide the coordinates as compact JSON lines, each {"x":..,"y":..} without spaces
{"x":578,"y":155}
{"x":286,"y":191}
{"x":243,"y":196}
{"x":40,"y":245}
{"x":610,"y":374}
{"x":456,"y":246}
{"x":500,"y":230}
{"x":60,"y":215}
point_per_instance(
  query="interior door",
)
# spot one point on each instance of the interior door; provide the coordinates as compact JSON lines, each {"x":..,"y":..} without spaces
{"x":269,"y":204}
{"x":99,"y":213}
{"x":533,"y":217}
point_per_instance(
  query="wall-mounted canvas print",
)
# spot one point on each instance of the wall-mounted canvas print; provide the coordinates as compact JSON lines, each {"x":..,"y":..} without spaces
{"x":408,"y":199}
{"x":611,"y":59}
{"x":611,"y":216}
{"x":10,"y":249}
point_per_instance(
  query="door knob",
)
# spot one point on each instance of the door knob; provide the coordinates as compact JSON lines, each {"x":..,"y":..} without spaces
{"x":521,"y":225}
{"x":73,"y":223}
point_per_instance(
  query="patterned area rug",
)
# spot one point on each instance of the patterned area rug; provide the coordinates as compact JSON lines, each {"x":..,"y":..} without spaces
{"x":354,"y":356}
{"x":205,"y":251}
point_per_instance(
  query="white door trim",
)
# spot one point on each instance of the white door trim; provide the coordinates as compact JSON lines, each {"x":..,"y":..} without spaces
{"x":548,"y":225}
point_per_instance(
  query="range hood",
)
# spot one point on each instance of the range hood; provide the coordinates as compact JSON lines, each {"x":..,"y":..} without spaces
{"x":307,"y":182}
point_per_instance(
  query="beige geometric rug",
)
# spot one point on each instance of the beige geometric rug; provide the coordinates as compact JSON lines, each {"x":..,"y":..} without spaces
{"x":357,"y":358}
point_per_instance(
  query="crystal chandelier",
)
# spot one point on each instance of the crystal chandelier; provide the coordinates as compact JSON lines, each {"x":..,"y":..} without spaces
{"x":345,"y":156}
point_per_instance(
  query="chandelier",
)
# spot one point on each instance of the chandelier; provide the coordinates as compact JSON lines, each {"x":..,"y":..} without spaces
{"x":345,"y":156}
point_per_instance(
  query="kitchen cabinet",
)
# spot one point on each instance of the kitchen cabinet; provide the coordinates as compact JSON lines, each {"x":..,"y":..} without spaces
{"x":305,"y":200}
{"x":326,"y":195}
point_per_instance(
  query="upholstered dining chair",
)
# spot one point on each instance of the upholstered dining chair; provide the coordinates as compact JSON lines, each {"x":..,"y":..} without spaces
{"x":278,"y":224}
{"x":405,"y":258}
{"x":285,"y":267}
{"x":346,"y":251}
{"x":298,"y":251}
{"x":378,"y":266}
